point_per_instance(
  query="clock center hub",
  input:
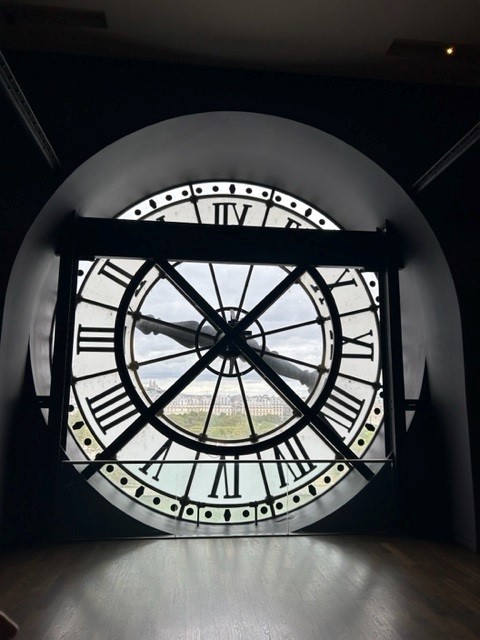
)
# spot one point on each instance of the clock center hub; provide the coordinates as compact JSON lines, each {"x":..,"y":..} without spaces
{"x":237,"y":364}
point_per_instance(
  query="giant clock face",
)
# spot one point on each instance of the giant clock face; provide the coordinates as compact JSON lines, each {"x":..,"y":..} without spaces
{"x":228,"y":395}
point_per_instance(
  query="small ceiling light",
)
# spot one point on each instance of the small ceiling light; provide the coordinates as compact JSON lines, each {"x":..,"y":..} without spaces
{"x":450,"y":50}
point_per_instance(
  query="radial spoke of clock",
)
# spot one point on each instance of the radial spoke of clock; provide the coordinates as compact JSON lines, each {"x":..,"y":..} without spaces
{"x":213,"y":400}
{"x":320,"y":425}
{"x":88,"y":376}
{"x":244,"y":290}
{"x":96,"y":303}
{"x":370,"y":383}
{"x":194,"y":200}
{"x":289,"y":327}
{"x":373,"y":308}
{"x":188,"y":486}
{"x":278,"y":356}
{"x":268,"y":495}
{"x":245,"y":402}
{"x":217,"y":290}
{"x":171,"y":356}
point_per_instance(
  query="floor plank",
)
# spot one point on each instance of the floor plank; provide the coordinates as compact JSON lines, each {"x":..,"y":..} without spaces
{"x":297,"y":588}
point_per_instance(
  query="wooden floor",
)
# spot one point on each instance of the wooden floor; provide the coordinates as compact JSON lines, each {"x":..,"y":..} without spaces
{"x":312,"y":588}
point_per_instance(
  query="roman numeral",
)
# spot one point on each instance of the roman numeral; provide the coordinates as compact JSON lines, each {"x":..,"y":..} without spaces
{"x":95,"y":339}
{"x":111,"y":270}
{"x":161,"y":454}
{"x":342,"y":408}
{"x":224,"y":471}
{"x":225,"y":210}
{"x":365,"y":349}
{"x":291,"y":223}
{"x":293,"y":449}
{"x":111,"y":407}
{"x":340,"y":282}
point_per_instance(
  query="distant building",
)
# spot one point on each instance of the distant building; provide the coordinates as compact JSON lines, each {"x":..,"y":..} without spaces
{"x":259,"y":405}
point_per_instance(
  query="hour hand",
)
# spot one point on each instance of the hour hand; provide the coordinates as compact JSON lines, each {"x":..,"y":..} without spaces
{"x":185,"y":333}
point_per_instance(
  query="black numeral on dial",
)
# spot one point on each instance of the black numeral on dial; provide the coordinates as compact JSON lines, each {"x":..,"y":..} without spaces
{"x":342,"y":408}
{"x":111,"y":407}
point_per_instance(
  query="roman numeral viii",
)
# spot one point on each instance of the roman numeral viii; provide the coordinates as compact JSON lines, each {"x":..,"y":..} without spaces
{"x":111,"y":407}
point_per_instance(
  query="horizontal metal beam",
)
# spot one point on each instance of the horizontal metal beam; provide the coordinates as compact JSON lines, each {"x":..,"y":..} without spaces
{"x":353,"y":461}
{"x":95,"y":237}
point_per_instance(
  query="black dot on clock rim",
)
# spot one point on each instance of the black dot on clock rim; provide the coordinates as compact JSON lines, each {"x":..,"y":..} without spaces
{"x":249,"y":190}
{"x":198,"y":190}
{"x":293,"y":205}
{"x":279,"y":505}
{"x":208,"y":514}
{"x":215,"y":188}
{"x":174,"y":507}
{"x":189,"y":511}
{"x":372,"y":283}
{"x":340,"y":467}
{"x":377,"y":298}
{"x":123,"y":480}
{"x":265,"y":194}
{"x":361,"y":442}
{"x":278,"y":198}
{"x":80,"y":272}
{"x":296,"y":498}
{"x":110,"y":468}
{"x":71,"y":407}
{"x":156,"y":500}
{"x":327,"y":479}
{"x":263,"y":510}
{"x":169,"y":197}
{"x":245,"y":513}
{"x":380,"y":393}
{"x":138,"y":212}
{"x":322,"y":221}
{"x":87,"y":442}
{"x":376,"y":411}
{"x":184,"y":193}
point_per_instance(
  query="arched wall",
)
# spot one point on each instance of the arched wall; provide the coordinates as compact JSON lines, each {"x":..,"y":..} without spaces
{"x":301,"y":160}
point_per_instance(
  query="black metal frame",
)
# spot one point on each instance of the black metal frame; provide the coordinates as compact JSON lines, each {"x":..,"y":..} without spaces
{"x":91,"y":237}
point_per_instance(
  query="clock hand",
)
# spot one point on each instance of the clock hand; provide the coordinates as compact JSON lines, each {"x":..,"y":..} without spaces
{"x":185,"y":332}
{"x":182,"y":332}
